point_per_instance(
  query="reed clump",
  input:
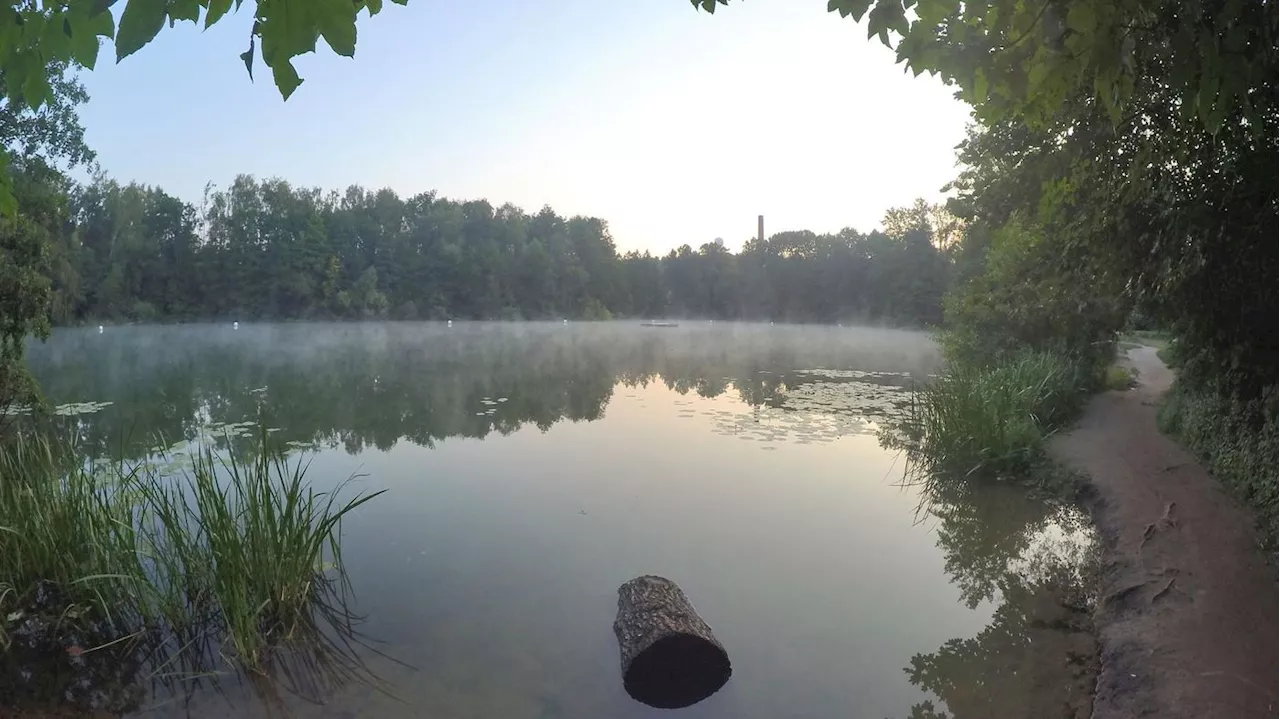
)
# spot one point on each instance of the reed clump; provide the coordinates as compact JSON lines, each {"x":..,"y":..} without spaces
{"x":238,"y":545}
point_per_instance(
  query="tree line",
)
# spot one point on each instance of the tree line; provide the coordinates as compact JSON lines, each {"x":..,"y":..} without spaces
{"x":266,"y":249}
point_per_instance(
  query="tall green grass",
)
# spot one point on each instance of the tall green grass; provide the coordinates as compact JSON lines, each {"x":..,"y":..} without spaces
{"x":241,"y":546}
{"x":993,"y":420}
{"x":266,"y":541}
{"x":69,"y":530}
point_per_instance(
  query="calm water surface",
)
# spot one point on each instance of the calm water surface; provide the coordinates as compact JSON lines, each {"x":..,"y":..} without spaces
{"x":533,"y":468}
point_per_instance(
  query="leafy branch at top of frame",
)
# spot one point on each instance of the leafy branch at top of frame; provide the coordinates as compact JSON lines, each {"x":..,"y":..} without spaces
{"x":1026,"y":58}
{"x":39,"y":36}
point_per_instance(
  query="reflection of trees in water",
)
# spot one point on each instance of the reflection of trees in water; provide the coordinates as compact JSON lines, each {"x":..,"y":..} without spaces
{"x":1038,"y":656}
{"x":359,"y":386}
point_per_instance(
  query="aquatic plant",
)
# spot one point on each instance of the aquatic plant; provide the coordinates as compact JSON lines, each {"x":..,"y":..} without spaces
{"x":991,"y":420}
{"x":239,"y":545}
{"x":267,"y":540}
{"x":66,"y":527}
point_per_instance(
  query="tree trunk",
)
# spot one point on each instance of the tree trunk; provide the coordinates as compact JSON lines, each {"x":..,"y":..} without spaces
{"x":670,"y":659}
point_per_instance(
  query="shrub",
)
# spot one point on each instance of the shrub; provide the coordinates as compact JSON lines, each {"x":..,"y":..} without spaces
{"x":406,"y":310}
{"x":1024,"y":300}
{"x":1238,"y":443}
{"x":594,"y":310}
{"x":144,"y":311}
{"x":1118,"y":378}
{"x":1170,"y":354}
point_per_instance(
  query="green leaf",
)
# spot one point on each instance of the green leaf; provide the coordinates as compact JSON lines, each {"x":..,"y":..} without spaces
{"x":217,"y":8}
{"x":375,"y":6}
{"x":1211,"y":111}
{"x":856,"y":8}
{"x":1081,"y":18}
{"x":35,"y":89}
{"x":8,"y":203}
{"x":103,"y":24}
{"x":247,"y":58}
{"x":55,"y":41}
{"x":979,"y":86}
{"x":286,"y":78}
{"x":32,"y":28}
{"x":1037,"y":74}
{"x":336,"y":20}
{"x":84,"y":43}
{"x":885,"y":16}
{"x":288,"y":28}
{"x":184,"y":10}
{"x":139,"y":23}
{"x":932,"y":12}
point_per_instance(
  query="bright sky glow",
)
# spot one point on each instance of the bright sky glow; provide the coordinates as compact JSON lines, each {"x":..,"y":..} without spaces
{"x":673,"y":125}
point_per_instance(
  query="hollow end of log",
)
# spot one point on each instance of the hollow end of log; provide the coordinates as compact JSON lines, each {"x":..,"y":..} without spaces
{"x":677,"y":671}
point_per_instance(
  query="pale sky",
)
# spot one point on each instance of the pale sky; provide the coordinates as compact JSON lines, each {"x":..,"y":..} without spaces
{"x":673,"y":125}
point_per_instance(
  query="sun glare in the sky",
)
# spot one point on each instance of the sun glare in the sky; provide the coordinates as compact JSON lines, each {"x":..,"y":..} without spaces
{"x":672,"y":125}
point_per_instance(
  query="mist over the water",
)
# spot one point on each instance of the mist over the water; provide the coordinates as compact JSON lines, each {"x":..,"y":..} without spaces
{"x":360,"y":384}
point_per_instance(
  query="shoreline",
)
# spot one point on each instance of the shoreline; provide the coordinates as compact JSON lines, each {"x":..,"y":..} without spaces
{"x":1186,"y":615}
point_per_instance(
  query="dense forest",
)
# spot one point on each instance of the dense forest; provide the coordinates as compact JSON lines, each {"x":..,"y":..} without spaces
{"x":266,"y":249}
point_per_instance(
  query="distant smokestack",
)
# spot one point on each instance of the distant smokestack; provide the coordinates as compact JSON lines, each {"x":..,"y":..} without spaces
{"x":760,"y":228}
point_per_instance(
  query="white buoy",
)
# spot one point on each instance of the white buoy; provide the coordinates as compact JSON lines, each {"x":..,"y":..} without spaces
{"x":449,"y":323}
{"x":770,"y":324}
{"x":235,"y":325}
{"x":99,"y":329}
{"x":564,"y":321}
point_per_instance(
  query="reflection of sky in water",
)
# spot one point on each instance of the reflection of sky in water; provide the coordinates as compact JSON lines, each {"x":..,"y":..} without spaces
{"x":533,"y":471}
{"x":506,"y":555}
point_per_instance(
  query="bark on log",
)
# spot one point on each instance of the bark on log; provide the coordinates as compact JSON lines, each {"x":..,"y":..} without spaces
{"x":670,"y":659}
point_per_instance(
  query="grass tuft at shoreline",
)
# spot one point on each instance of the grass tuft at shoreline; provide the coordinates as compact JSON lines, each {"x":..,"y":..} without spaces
{"x":242,"y":547}
{"x":992,"y":421}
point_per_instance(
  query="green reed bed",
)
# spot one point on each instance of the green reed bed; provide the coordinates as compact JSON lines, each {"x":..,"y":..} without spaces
{"x":65,"y":530}
{"x":262,"y":540}
{"x":244,"y":547}
{"x":992,"y":420}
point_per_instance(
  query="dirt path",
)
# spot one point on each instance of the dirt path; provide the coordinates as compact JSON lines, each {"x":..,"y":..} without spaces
{"x":1187,"y":616}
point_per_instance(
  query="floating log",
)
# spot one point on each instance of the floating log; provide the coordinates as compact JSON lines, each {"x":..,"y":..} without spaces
{"x":670,"y":658}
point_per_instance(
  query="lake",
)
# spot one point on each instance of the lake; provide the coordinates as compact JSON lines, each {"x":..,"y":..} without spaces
{"x":533,"y":468}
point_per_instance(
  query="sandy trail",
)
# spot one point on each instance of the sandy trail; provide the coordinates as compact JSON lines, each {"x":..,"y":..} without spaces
{"x":1187,"y":614}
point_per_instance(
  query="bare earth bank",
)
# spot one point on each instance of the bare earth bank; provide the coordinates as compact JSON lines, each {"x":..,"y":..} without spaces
{"x":1187,"y":610}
